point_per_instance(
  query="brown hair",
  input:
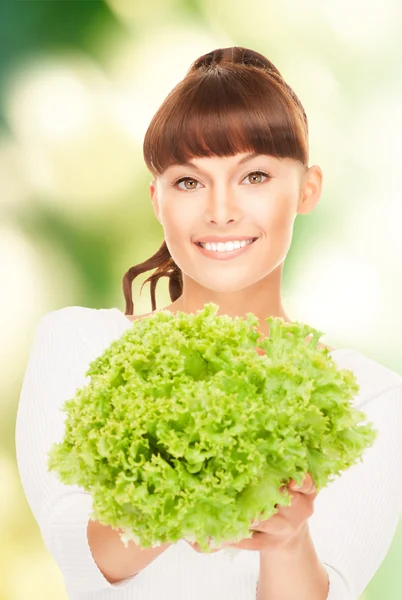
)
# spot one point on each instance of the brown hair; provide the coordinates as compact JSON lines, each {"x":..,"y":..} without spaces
{"x":232,"y":100}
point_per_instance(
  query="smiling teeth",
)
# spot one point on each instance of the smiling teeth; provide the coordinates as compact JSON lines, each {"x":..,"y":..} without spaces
{"x":225,"y":247}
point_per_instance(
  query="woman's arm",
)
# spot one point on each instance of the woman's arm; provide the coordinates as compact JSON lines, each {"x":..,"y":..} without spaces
{"x":115,"y":561}
{"x":58,"y":361}
{"x":293,"y":573}
{"x":356,"y":516}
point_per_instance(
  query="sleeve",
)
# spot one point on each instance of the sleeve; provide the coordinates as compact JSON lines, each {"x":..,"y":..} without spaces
{"x":58,"y":361}
{"x":356,"y":516}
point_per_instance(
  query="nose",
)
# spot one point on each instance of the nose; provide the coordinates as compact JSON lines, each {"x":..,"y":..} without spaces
{"x":222,"y":207}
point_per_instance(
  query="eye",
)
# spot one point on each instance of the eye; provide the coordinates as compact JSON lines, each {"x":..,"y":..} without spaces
{"x":176,"y":183}
{"x":258,"y":173}
{"x":183,"y":179}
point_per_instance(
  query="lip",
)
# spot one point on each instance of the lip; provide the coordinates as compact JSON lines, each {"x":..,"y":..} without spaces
{"x":230,"y":238}
{"x":225,"y":255}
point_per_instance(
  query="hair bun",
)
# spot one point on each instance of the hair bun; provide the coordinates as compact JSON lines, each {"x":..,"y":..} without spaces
{"x":235,"y":55}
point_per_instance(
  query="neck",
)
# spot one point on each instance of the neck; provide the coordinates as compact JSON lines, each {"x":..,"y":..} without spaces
{"x":262,"y":299}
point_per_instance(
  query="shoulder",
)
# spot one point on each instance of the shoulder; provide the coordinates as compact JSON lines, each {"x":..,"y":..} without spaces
{"x":59,"y":345}
{"x":78,"y":319}
{"x":80,"y":324}
{"x":63,"y":317}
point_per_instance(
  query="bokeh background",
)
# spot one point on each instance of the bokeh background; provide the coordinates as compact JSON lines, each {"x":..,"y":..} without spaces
{"x":79,"y":83}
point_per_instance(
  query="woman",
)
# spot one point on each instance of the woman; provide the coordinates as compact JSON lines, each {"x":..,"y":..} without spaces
{"x":228,"y":151}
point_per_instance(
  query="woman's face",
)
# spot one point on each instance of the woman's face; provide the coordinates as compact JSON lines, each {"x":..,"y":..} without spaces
{"x":241,"y":195}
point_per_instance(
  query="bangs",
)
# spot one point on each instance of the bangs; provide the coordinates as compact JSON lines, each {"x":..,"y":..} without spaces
{"x":223,"y":113}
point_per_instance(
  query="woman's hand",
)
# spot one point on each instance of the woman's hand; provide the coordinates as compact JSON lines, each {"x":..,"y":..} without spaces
{"x":284,"y":526}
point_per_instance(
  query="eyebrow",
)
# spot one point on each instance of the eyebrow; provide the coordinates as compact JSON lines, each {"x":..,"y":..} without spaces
{"x":241,"y":161}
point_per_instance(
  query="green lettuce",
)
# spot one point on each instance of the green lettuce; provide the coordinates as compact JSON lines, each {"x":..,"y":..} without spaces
{"x":185,"y":431}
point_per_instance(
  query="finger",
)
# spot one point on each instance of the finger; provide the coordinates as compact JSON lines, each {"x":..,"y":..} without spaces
{"x":307,"y":487}
{"x":197,"y":548}
{"x":301,"y":505}
{"x":297,"y":514}
{"x":279,"y":524}
{"x":256,"y":523}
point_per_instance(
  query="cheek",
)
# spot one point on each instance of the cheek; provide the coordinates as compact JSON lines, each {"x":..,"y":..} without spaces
{"x":284,"y":224}
{"x":278,"y":219}
{"x":175,"y":219}
{"x":178,"y":226}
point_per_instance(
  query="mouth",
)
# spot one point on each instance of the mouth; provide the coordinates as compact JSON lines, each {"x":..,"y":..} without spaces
{"x":225,"y":254}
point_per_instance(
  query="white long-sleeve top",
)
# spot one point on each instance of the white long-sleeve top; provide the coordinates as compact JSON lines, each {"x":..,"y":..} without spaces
{"x":354,"y":521}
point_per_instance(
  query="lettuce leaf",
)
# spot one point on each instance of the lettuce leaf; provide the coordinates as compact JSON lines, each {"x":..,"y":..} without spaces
{"x":185,"y":431}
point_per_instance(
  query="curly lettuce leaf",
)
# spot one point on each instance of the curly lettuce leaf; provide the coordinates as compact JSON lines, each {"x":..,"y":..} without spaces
{"x":186,"y":432}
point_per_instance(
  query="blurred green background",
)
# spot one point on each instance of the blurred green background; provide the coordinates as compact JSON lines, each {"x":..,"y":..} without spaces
{"x":79,"y":84}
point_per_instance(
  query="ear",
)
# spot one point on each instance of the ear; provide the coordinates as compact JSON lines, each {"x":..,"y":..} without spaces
{"x":310,"y":190}
{"x":154,"y":199}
